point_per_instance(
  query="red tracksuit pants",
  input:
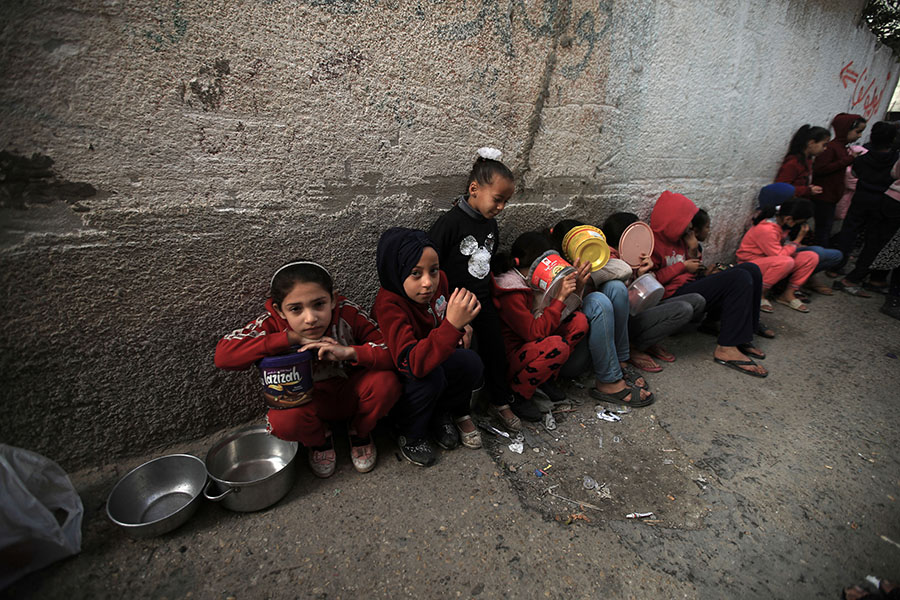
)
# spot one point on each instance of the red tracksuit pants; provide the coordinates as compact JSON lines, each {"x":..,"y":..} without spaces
{"x":533,"y":363}
{"x":363,"y":398}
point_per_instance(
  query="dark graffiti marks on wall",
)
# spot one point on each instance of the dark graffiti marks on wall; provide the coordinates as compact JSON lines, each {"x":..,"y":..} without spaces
{"x":591,"y":29}
{"x":170,"y":26}
{"x":554,"y":18}
{"x":866,"y":96}
{"x":489,"y":11}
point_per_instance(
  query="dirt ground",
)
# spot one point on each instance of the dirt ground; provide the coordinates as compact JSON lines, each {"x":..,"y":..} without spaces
{"x":785,"y":487}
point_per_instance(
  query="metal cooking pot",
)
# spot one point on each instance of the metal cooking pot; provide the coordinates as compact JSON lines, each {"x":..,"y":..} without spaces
{"x":250,"y":469}
{"x":157,"y":496}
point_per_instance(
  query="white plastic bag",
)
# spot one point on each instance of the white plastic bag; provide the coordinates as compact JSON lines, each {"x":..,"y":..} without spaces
{"x":40,"y":513}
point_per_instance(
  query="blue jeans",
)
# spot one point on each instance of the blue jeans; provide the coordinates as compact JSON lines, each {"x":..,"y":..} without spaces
{"x":606,"y":345}
{"x":829,"y":258}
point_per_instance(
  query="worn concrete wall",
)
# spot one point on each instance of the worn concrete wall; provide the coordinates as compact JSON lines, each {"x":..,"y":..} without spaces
{"x":223,"y":140}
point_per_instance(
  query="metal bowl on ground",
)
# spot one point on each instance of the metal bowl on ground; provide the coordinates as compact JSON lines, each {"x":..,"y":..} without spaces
{"x":157,"y":496}
{"x":250,"y":469}
{"x":644,"y":292}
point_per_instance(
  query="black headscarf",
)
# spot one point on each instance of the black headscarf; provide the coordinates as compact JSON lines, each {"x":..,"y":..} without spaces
{"x":399,"y":250}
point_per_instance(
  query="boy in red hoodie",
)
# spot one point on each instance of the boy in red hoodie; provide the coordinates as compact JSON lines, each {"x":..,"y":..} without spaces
{"x":425,"y":326}
{"x":732,"y":295}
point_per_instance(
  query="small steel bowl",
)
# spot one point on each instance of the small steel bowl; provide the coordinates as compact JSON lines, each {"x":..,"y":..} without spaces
{"x":158,"y":496}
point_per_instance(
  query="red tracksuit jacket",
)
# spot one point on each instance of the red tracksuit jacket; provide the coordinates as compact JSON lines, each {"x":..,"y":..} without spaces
{"x":267,"y":336}
{"x":418,"y":336}
{"x":798,"y":173}
{"x":514,"y":301}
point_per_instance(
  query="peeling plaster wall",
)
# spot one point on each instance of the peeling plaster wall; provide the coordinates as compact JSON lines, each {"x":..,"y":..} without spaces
{"x":224,"y":139}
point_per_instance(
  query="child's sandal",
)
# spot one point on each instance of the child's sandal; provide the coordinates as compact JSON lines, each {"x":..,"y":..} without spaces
{"x":471,"y":439}
{"x":512,"y":423}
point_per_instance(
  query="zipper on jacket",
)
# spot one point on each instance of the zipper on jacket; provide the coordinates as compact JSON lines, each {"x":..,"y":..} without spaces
{"x":433,"y":315}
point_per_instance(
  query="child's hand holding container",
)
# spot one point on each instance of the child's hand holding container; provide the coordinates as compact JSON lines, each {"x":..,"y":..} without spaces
{"x":462,"y":308}
{"x":327,"y":348}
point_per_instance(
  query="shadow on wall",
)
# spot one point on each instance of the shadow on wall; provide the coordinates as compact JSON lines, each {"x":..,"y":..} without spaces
{"x":25,"y":181}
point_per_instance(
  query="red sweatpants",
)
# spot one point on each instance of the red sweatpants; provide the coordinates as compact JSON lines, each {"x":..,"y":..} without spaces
{"x":364,"y":398}
{"x":775,"y":268}
{"x":535,"y":362}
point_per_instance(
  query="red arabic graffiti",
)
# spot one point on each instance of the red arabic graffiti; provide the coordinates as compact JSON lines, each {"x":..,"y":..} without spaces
{"x":865,"y":94}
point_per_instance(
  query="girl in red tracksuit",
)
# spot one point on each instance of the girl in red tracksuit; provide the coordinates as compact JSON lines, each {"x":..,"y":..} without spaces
{"x":427,"y":331}
{"x":796,"y":168}
{"x":764,"y":246}
{"x":538,"y":338}
{"x":353,"y":376}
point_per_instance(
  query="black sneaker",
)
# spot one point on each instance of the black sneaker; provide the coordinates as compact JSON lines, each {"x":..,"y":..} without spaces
{"x":418,"y":452}
{"x":526,"y":410}
{"x":552,"y":391}
{"x":444,"y":431}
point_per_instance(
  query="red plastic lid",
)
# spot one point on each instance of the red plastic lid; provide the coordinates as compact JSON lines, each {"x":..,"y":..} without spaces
{"x":637,"y":239}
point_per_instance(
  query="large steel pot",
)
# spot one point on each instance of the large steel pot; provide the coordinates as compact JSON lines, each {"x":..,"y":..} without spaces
{"x":157,"y":496}
{"x":250,"y":469}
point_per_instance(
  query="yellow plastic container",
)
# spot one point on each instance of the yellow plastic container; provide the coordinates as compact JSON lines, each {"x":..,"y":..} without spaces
{"x":586,"y":243}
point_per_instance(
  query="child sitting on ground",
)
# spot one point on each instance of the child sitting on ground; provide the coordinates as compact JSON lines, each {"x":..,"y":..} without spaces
{"x":732,"y":296}
{"x":764,"y":246}
{"x":776,"y":194}
{"x":649,"y":327}
{"x":607,"y":311}
{"x":605,"y":351}
{"x":538,"y":338}
{"x":428,"y":333}
{"x":353,"y":376}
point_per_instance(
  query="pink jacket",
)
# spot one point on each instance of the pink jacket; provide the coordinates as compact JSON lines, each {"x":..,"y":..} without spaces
{"x":843,"y":205}
{"x":764,"y":239}
{"x":894,"y":190}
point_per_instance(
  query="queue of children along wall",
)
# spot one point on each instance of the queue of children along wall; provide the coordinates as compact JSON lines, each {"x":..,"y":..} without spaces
{"x":457,"y":319}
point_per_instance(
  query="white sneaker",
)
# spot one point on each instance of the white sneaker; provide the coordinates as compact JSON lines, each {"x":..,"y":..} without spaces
{"x":322,"y":460}
{"x":363,"y":456}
